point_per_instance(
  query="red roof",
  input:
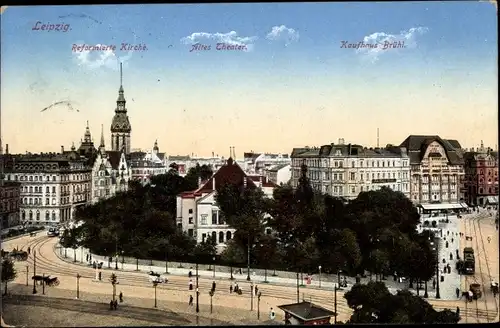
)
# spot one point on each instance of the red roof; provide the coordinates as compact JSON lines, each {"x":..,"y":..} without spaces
{"x":230,"y":173}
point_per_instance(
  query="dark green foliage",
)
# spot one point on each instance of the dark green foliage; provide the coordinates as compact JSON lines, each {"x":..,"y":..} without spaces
{"x":372,"y":303}
{"x":8,"y":272}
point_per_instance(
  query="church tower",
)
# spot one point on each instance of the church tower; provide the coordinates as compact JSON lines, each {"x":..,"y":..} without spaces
{"x":120,"y":126}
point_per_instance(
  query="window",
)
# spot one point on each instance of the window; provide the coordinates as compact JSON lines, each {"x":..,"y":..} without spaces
{"x":31,"y":215}
{"x":31,"y":189}
{"x":353,"y":175}
{"x":361,"y":188}
{"x":353,"y":164}
{"x":47,"y":215}
{"x":53,"y":216}
{"x":204,"y":219}
{"x":221,"y":219}
{"x":31,"y":178}
{"x":214,"y":216}
{"x":23,"y":215}
{"x":47,"y":189}
{"x":54,"y":178}
{"x":214,"y":237}
{"x":47,"y":201}
{"x":190,"y":220}
{"x":31,"y":201}
{"x":228,"y":235}
{"x":190,"y":232}
{"x":203,"y":237}
{"x":53,"y":201}
{"x":353,"y":190}
{"x":38,"y":215}
{"x":54,"y":190}
{"x":221,"y":237}
{"x":190,"y":211}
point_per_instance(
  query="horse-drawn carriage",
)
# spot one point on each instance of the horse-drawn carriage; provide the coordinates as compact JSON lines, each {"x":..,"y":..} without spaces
{"x":494,"y":288}
{"x":47,"y":280}
{"x":156,"y":277}
{"x":476,"y":291}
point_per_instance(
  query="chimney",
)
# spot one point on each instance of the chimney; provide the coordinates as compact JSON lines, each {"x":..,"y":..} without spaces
{"x":6,"y":149}
{"x":62,"y":149}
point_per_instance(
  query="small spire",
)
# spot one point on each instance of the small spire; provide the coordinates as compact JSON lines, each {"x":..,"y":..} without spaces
{"x":102,"y":136}
{"x":73,"y":148}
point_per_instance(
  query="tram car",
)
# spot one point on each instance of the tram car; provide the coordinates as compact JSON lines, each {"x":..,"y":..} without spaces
{"x":53,"y":232}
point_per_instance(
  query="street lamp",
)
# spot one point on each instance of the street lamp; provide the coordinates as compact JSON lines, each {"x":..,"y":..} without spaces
{"x":335,"y":304}
{"x":319,"y":276}
{"x":78,"y":285}
{"x":34,"y":272}
{"x":197,"y":292}
{"x":258,"y":305}
{"x":248,"y":259}
{"x":211,"y":293}
{"x":155,"y":283}
{"x":251,"y":296}
{"x":116,"y":261}
{"x":214,"y":266}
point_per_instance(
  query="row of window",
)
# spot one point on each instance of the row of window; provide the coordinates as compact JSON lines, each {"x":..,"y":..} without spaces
{"x":436,"y":197}
{"x":7,"y":206}
{"x":339,"y":190}
{"x":38,"y":215}
{"x":339,"y":164}
{"x":213,"y":235}
{"x":39,"y":178}
{"x":38,"y":201}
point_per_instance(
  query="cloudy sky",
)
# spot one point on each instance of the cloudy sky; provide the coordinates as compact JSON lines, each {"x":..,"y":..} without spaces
{"x":303,"y":74}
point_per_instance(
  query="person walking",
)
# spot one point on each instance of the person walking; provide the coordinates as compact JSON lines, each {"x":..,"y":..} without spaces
{"x":29,"y":249}
{"x":231,"y":288}
{"x":87,"y":258}
{"x":190,"y":284}
{"x":434,"y":283}
{"x":121,"y":297}
{"x":458,"y":312}
{"x":457,"y":291}
{"x":190,"y":300}
{"x":256,"y":290}
{"x":213,"y":286}
{"x":489,"y":240}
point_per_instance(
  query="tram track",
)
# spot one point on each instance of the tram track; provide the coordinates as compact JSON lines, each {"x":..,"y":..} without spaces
{"x":476,"y":234}
{"x":140,"y":279}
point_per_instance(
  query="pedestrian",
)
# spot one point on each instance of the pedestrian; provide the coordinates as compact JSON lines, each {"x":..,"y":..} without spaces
{"x":241,"y":272}
{"x":231,"y":288}
{"x":256,"y":290}
{"x":190,"y":274}
{"x":190,"y":300}
{"x":115,"y":305}
{"x":213,"y":286}
{"x":87,"y":258}
{"x":111,"y":305}
{"x":457,"y":291}
{"x":121,"y":297}
{"x":190,"y":284}
{"x":90,"y":257}
{"x":272,"y":315}
{"x":489,"y":239}
{"x":458,"y":311}
{"x":29,"y":250}
{"x":100,"y":275}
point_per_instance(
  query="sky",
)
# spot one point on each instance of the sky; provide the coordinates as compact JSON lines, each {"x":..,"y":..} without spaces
{"x":295,"y":74}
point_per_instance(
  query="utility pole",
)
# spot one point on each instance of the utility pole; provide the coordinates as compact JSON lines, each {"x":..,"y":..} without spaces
{"x":34,"y":272}
{"x":248,"y":259}
{"x":298,"y":289}
{"x":197,"y":292}
{"x":335,"y":305}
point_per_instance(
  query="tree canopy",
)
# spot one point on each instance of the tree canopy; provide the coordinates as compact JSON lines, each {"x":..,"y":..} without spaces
{"x":373,"y":303}
{"x":8,"y":272}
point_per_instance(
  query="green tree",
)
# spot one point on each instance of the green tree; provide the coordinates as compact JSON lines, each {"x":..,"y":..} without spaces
{"x":8,"y":272}
{"x":203,"y":172}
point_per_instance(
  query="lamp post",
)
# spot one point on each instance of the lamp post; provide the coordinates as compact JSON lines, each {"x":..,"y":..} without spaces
{"x":338,"y":277}
{"x":251,"y":296}
{"x":114,"y":281}
{"x":34,"y":272}
{"x":27,"y":273}
{"x":78,"y":285}
{"x":197,"y":292}
{"x":248,"y":259}
{"x":258,"y":305}
{"x":155,"y":283}
{"x":123,"y":259}
{"x":116,"y":261}
{"x":335,"y":304}
{"x":214,"y":267}
{"x":319,"y":276}
{"x":211,"y":293}
{"x":43,"y":283}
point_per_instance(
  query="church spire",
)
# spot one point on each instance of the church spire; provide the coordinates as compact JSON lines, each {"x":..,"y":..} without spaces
{"x":120,"y":102}
{"x":87,"y":136}
{"x":102,"y":136}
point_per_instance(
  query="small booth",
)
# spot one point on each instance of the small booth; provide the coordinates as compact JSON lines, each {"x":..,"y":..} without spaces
{"x":306,"y":313}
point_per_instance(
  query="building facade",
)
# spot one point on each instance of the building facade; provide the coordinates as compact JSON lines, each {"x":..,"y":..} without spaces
{"x":481,"y":176}
{"x":345,"y":170}
{"x":51,"y":187}
{"x":145,"y":165}
{"x":197,"y":212}
{"x":437,"y":169}
{"x":258,"y":163}
{"x":110,"y":173}
{"x":9,"y":204}
{"x":279,"y":174}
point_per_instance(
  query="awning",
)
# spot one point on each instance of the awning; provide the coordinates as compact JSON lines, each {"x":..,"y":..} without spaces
{"x":442,"y":206}
{"x":464,"y":205}
{"x":492,"y":199}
